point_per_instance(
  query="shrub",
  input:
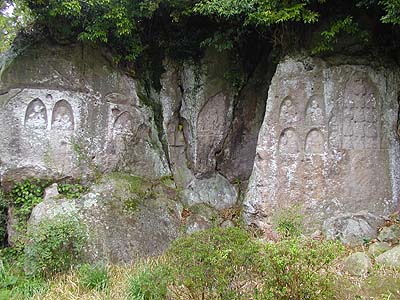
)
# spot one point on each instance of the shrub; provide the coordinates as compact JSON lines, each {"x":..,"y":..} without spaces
{"x":94,"y":277}
{"x":150,"y":283}
{"x":54,"y":245}
{"x":289,"y":222}
{"x":297,"y":269}
{"x":23,"y":197}
{"x":226,"y":264}
{"x":214,"y":264}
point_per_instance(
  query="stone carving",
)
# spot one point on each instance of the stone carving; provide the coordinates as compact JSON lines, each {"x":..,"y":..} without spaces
{"x":360,"y":111}
{"x":314,"y":113}
{"x":288,"y":142}
{"x":334,"y":132}
{"x":63,"y":117}
{"x":314,"y":142}
{"x":36,"y":115}
{"x":351,"y":109}
{"x":288,"y":112}
{"x":123,"y":124}
{"x":211,"y":129}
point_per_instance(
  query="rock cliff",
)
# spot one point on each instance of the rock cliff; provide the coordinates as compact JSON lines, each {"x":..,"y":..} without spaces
{"x":320,"y":137}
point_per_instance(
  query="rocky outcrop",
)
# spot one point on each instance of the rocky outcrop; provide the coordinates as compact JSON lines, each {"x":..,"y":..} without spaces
{"x":126,"y":217}
{"x":69,"y":113}
{"x":327,"y":142}
{"x":328,"y":145}
{"x":211,"y":128}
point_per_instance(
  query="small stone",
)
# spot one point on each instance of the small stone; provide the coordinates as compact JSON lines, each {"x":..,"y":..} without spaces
{"x":227,"y":224}
{"x":317,"y":235}
{"x":390,"y":258}
{"x":51,"y":192}
{"x":378,"y":248}
{"x":390,"y":234}
{"x":357,"y":264}
{"x":197,"y":223}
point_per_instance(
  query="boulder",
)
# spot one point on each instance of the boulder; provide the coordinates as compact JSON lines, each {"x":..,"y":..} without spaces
{"x":197,"y":223}
{"x":51,"y":192}
{"x":352,"y":228}
{"x":390,"y":258}
{"x":358,"y":264}
{"x":215,"y":191}
{"x":390,"y":234}
{"x":378,"y":248}
{"x":126,"y":217}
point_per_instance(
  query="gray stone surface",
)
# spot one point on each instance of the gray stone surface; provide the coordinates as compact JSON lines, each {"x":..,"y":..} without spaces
{"x":206,"y":110}
{"x":70,"y":113}
{"x":12,"y":233}
{"x":352,"y":228}
{"x":327,"y":144}
{"x":378,"y":248}
{"x":127,"y":218}
{"x":51,"y":192}
{"x":390,"y":234}
{"x":357,"y":264}
{"x":197,"y":106}
{"x":215,"y":191}
{"x":390,"y":258}
{"x":197,"y":223}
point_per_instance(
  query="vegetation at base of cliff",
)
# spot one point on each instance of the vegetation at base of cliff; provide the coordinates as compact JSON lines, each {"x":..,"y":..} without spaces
{"x":215,"y":264}
{"x":228,"y":264}
{"x":54,"y":246}
{"x":22,"y":198}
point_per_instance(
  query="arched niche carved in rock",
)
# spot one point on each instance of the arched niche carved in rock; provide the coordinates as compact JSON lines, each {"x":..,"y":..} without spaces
{"x":360,"y":114}
{"x":36,"y":115}
{"x":314,"y":111}
{"x":212,"y":117}
{"x":63,"y":117}
{"x":314,"y":142}
{"x":288,"y":112}
{"x":123,"y":124}
{"x":288,"y":142}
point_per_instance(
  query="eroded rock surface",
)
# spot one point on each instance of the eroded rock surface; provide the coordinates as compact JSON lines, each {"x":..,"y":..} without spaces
{"x":69,"y":113}
{"x":327,"y":144}
{"x":126,"y":217}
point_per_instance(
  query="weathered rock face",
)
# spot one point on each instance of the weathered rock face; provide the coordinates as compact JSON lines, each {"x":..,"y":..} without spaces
{"x":68,"y":113}
{"x":210,"y":129}
{"x":327,"y":144}
{"x":126,"y":217}
{"x":236,"y":159}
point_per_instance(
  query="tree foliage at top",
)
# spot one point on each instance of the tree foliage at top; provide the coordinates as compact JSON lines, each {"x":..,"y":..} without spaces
{"x":130,"y":27}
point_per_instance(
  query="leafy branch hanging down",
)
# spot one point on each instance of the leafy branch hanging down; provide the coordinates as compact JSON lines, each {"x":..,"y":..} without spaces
{"x":131,"y":27}
{"x":392,"y":9}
